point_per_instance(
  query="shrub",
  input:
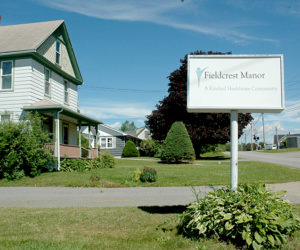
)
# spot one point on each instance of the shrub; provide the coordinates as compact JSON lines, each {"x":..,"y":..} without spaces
{"x":107,"y":160}
{"x":22,"y":148}
{"x":148,"y":175}
{"x":250,"y":217}
{"x":147,"y":147}
{"x":177,"y":145}
{"x":73,"y":165}
{"x":130,"y":150}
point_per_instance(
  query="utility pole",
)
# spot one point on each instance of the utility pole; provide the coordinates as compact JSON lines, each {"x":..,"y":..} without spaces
{"x":251,"y":137}
{"x":263,"y":123}
{"x":277,"y":138}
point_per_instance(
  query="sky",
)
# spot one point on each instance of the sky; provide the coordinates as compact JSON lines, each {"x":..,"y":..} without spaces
{"x":126,"y":49}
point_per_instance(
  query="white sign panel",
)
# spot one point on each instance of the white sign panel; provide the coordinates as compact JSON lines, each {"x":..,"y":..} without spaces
{"x":243,"y":83}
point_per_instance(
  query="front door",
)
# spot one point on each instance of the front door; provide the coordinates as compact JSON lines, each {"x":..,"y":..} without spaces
{"x":65,"y":134}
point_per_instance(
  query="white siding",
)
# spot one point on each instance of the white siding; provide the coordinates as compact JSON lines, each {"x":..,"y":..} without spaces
{"x":28,"y":88}
{"x":57,"y":87}
{"x":21,"y":95}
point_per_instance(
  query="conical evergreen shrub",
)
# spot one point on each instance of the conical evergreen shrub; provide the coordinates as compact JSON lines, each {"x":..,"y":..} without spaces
{"x":177,"y":145}
{"x":130,"y":150}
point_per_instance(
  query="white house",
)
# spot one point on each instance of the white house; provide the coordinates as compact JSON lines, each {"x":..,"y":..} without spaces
{"x":142,"y":133}
{"x":39,"y":72}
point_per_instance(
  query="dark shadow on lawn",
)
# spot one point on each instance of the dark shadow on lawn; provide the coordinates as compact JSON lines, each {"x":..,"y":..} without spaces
{"x":176,"y":209}
{"x":214,"y":158}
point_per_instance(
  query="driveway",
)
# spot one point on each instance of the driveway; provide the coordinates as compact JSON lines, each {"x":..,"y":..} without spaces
{"x":115,"y":197}
{"x":290,"y":159}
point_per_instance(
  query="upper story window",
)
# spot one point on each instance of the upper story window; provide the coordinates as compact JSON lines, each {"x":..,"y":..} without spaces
{"x":58,"y":52}
{"x":6,"y":75}
{"x":66,"y":91}
{"x":47,"y":82}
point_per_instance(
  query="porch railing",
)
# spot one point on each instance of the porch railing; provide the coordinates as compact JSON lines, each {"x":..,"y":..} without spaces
{"x":70,"y":151}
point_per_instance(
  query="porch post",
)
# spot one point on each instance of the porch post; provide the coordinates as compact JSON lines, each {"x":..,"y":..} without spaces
{"x":57,"y":145}
{"x":97,"y":138}
{"x":79,"y":140}
{"x":90,"y":152}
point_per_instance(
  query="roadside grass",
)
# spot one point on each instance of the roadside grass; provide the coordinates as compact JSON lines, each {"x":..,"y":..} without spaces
{"x":102,"y":228}
{"x":283,"y":150}
{"x":197,"y":174}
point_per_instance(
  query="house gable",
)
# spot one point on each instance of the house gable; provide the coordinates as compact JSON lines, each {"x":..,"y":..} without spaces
{"x":68,"y":61}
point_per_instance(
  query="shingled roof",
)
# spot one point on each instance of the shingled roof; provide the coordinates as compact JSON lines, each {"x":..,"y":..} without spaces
{"x":26,"y":37}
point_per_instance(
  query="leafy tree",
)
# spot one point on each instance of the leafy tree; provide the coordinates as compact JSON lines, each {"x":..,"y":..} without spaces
{"x":147,"y":147}
{"x":203,"y":128}
{"x":130,"y":150}
{"x":22,"y":148}
{"x":128,"y":126}
{"x":177,"y":146}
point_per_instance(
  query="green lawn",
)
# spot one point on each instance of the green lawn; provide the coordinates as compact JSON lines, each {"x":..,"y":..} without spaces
{"x":101,"y":228}
{"x":284,"y":150}
{"x":201,"y":173}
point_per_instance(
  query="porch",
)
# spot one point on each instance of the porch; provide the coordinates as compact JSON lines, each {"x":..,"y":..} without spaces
{"x":65,"y":126}
{"x":72,"y":151}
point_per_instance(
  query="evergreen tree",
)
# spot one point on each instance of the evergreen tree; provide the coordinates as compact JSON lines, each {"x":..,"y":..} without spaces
{"x":177,"y":145}
{"x":130,"y":150}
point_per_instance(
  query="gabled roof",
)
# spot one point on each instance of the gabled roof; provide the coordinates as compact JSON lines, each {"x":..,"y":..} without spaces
{"x":25,"y":39}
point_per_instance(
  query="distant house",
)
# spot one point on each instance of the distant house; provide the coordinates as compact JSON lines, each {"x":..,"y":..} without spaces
{"x":291,"y":140}
{"x":142,"y":133}
{"x":39,"y":72}
{"x":109,"y":139}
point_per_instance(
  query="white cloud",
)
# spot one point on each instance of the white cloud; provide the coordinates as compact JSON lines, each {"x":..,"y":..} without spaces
{"x":105,"y":110}
{"x":167,"y":12}
{"x":115,"y":125}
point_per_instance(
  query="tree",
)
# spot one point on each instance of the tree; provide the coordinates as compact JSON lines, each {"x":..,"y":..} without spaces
{"x":22,"y":148}
{"x":177,"y":145}
{"x":203,"y":128}
{"x":128,"y":126}
{"x":130,"y":150}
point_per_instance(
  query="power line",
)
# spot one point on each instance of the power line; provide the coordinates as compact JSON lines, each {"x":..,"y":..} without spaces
{"x":127,"y":90}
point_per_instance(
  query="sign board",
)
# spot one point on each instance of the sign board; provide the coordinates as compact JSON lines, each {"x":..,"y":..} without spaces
{"x":243,"y":83}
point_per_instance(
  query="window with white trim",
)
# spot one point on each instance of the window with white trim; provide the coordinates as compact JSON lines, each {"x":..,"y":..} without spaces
{"x":47,"y":82}
{"x":66,"y":91}
{"x":5,"y":118}
{"x":6,"y":75}
{"x":58,"y":52}
{"x":106,"y":142}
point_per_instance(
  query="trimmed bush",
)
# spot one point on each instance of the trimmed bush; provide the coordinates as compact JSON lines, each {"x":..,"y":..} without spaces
{"x":177,"y":145}
{"x":250,"y":217}
{"x":130,"y":150}
{"x":22,"y":148}
{"x":148,"y":175}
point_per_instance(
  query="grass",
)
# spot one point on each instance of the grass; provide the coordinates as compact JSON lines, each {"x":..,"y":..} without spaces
{"x":204,"y":173}
{"x":101,"y":228}
{"x":283,"y":150}
{"x":214,"y":156}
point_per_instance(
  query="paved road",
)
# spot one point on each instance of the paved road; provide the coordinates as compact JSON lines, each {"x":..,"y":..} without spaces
{"x":291,"y":159}
{"x":114,"y":197}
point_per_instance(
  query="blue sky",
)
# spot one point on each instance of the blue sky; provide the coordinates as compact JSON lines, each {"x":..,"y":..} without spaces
{"x":127,"y":48}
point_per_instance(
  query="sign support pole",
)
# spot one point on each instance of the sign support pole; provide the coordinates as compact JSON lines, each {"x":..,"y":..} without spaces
{"x":234,"y":150}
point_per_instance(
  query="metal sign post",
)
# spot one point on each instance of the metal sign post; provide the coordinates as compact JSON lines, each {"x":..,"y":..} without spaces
{"x":234,"y":150}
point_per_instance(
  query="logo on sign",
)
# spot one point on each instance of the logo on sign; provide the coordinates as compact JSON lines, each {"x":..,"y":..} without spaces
{"x":199,"y":73}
